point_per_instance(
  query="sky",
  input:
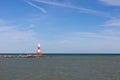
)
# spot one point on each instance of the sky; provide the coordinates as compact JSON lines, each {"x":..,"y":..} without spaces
{"x":60,"y":26}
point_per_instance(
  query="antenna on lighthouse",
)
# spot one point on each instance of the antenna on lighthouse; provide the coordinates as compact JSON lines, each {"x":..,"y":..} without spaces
{"x":39,"y":53}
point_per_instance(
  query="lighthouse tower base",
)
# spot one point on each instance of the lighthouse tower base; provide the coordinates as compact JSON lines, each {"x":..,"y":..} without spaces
{"x":38,"y":54}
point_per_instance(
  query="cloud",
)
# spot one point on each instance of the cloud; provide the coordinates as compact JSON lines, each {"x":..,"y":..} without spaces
{"x":83,"y":42}
{"x":13,"y":39}
{"x":112,"y":32}
{"x":2,"y":22}
{"x":5,"y":28}
{"x":103,"y":35}
{"x":85,"y":10}
{"x":35,"y":6}
{"x":112,"y":23}
{"x":112,"y":28}
{"x":111,"y":2}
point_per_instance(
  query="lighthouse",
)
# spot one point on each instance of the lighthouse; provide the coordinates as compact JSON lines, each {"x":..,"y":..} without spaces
{"x":39,"y":53}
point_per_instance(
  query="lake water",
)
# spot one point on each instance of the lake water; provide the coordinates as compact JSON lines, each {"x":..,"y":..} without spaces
{"x":62,"y":67}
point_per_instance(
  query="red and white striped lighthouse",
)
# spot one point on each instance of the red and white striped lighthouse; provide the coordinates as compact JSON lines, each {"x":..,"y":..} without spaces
{"x":39,"y":53}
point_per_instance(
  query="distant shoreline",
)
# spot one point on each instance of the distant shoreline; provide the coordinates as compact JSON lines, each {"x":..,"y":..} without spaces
{"x":33,"y":55}
{"x":61,"y":53}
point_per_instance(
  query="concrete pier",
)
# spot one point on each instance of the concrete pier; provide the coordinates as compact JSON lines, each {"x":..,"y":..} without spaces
{"x":20,"y":56}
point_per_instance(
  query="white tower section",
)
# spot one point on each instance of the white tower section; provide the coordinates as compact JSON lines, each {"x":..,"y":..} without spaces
{"x":38,"y":48}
